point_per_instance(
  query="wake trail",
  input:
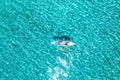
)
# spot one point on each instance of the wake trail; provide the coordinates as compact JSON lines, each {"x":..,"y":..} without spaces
{"x":62,"y":69}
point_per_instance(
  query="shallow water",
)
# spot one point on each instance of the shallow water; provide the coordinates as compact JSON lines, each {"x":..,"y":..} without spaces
{"x":28,"y":26}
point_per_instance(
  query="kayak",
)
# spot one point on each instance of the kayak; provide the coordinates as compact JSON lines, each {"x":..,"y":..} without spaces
{"x":63,"y":43}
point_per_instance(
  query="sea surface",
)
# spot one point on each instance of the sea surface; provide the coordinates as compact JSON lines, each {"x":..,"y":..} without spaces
{"x":27,"y":28}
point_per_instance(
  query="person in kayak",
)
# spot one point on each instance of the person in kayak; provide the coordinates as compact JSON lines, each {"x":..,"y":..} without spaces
{"x":64,"y":43}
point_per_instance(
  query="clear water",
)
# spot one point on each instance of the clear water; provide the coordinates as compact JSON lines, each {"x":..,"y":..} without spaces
{"x":27,"y":28}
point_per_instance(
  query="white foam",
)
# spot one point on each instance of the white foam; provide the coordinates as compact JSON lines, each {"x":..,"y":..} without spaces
{"x":62,"y":62}
{"x":56,"y":72}
{"x":55,"y":77}
{"x":65,"y":75}
{"x":49,"y":70}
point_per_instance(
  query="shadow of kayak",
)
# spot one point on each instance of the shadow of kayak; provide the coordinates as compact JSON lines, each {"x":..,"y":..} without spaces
{"x":66,"y":38}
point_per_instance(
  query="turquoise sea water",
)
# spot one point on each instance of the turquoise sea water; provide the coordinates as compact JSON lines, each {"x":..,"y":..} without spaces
{"x":27,"y":28}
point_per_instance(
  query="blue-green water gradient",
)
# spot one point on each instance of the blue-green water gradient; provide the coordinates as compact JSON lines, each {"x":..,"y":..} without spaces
{"x":27,"y":28}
